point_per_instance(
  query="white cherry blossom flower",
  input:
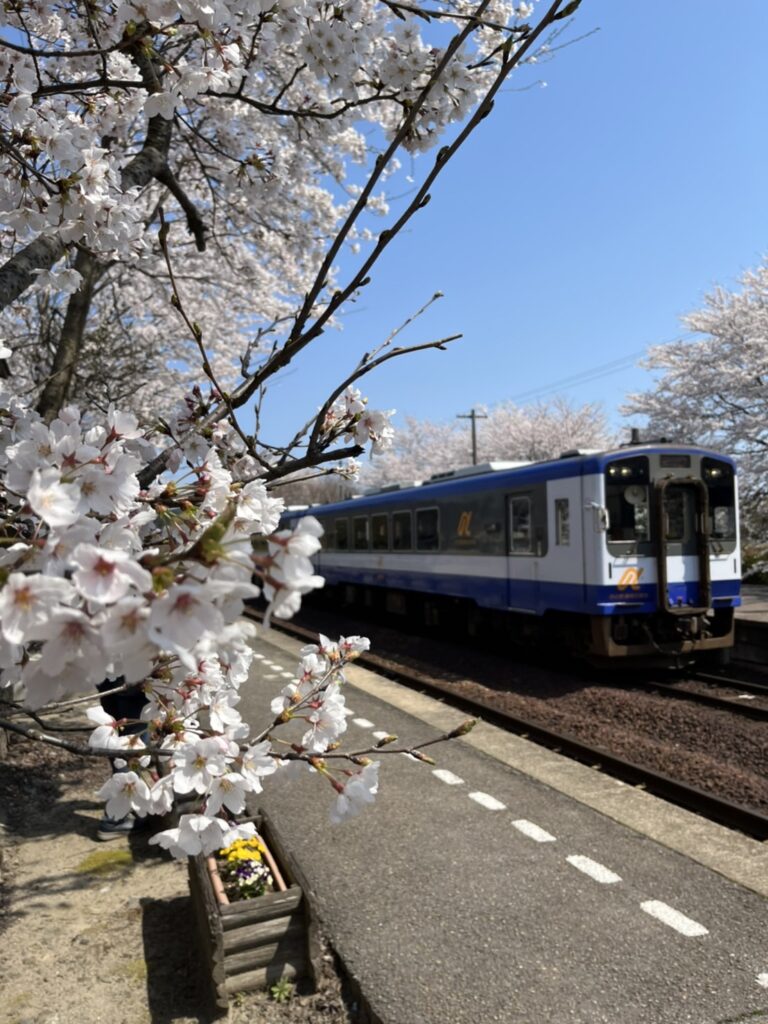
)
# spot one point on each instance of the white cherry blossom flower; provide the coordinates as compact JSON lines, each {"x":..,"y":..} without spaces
{"x":199,"y":833}
{"x":327,"y":720}
{"x":55,"y":502}
{"x":161,"y":796}
{"x":359,"y":791}
{"x":106,"y":734}
{"x":124,"y":792}
{"x":124,"y":633}
{"x":180,"y":618}
{"x":196,"y":765}
{"x":255,"y":763}
{"x":105,"y":576}
{"x":70,"y":641}
{"x":227,"y":791}
{"x":27,"y":602}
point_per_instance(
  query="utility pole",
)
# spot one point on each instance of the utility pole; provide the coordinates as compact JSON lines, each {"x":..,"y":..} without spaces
{"x":474,"y":416}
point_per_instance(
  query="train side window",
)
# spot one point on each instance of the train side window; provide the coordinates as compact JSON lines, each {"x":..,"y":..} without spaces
{"x":361,"y":533}
{"x":520,"y":534}
{"x":427,"y":529}
{"x":380,"y":532}
{"x":402,"y":539}
{"x":562,"y":522}
{"x":342,"y":534}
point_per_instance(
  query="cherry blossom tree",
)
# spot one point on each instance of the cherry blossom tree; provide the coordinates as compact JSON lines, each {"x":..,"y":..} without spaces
{"x":507,"y":432}
{"x":259,"y":127}
{"x":713,"y":390}
{"x":176,"y":198}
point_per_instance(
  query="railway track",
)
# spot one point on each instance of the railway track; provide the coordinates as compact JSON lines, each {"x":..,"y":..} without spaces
{"x":734,"y":815}
{"x":746,"y":685}
{"x":731,"y":704}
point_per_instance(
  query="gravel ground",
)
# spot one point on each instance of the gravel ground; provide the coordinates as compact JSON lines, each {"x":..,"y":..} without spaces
{"x":717,"y":751}
{"x":101,"y":932}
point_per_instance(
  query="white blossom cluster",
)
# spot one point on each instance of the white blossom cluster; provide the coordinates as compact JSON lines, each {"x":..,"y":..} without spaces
{"x":103,"y":579}
{"x":350,"y":418}
{"x":256,"y":115}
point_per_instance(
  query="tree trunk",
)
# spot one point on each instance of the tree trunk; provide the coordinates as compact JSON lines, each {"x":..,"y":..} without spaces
{"x":55,"y":392}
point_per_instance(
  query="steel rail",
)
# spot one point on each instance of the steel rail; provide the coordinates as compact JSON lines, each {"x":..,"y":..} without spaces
{"x":726,"y":812}
{"x":729,"y":704}
{"x":749,"y":685}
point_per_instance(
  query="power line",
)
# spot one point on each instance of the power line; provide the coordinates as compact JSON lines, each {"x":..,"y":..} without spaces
{"x":584,"y":377}
{"x":596,"y":372}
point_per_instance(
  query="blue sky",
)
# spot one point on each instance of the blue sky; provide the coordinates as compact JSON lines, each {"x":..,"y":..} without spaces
{"x":577,"y":225}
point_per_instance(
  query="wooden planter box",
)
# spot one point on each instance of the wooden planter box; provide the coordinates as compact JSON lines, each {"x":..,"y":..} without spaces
{"x":250,"y":943}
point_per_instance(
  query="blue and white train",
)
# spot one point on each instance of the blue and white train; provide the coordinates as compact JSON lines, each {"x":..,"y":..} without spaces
{"x":621,"y":553}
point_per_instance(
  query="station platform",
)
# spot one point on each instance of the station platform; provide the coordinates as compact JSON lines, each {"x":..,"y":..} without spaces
{"x":751,"y":627}
{"x":509,"y":884}
{"x":754,"y":603}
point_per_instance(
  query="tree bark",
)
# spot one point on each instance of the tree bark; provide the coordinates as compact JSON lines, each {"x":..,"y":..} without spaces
{"x":19,"y":272}
{"x":72,"y":332}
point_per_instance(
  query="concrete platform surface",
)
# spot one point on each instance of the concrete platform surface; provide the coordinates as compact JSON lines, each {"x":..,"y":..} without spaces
{"x":754,"y":603}
{"x":512,"y":885}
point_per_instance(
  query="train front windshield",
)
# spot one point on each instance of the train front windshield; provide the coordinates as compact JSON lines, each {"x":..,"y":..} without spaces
{"x":719,"y":479}
{"x":629,"y":498}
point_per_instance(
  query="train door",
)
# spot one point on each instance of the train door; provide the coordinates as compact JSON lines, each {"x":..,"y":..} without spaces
{"x":523,"y":552}
{"x":682,"y":512}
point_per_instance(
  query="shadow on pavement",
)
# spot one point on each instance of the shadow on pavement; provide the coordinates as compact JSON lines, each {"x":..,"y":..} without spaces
{"x":174,"y":986}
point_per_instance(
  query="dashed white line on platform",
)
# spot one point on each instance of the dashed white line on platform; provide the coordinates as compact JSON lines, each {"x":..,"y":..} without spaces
{"x":363,"y":723}
{"x":259,"y":657}
{"x":489,"y":802}
{"x":533,"y":831}
{"x":595,"y":870}
{"x":762,"y":979}
{"x":448,"y":777}
{"x":287,"y":675}
{"x":668,"y":915}
{"x":381,"y":735}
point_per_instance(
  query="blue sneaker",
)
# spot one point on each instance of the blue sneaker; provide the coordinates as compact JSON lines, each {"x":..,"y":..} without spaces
{"x":115,"y":828}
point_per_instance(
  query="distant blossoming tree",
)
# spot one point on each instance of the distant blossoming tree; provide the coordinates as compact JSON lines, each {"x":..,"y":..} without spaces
{"x":507,"y":432}
{"x":175,"y":199}
{"x":713,"y":390}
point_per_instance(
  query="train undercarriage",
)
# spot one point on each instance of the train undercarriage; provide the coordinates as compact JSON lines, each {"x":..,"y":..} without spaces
{"x":661,"y":637}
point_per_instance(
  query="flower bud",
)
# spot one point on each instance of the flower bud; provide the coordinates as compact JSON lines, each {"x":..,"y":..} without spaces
{"x":462,"y":729}
{"x":421,"y":757}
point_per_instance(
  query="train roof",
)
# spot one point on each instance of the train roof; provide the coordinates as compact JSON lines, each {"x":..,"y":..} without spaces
{"x":466,"y":479}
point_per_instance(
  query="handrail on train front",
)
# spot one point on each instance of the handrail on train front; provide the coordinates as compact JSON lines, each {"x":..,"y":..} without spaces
{"x":702,"y":545}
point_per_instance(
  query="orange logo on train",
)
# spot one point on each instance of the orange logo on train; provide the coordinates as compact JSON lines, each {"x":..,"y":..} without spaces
{"x":630,"y":579}
{"x":464,"y":529}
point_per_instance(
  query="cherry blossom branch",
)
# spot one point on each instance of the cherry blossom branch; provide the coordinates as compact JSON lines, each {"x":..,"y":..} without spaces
{"x":299,"y":337}
{"x":367,"y":367}
{"x":383,"y":746}
{"x":82,"y":749}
